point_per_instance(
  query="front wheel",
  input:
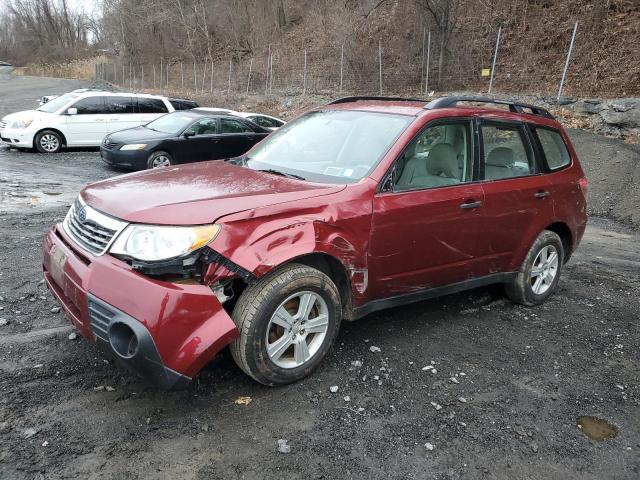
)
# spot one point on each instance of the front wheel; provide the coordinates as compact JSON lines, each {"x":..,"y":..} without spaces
{"x":159,"y":159}
{"x":540,"y":272}
{"x":48,"y":141}
{"x":287,"y":322}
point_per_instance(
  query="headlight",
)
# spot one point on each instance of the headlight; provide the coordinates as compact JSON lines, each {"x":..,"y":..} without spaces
{"x":134,"y":146}
{"x":153,"y":242}
{"x":22,"y":123}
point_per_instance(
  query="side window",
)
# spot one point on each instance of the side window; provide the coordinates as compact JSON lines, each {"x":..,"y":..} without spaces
{"x":120,"y":104}
{"x":264,"y":121}
{"x":506,"y":152}
{"x":151,"y":105}
{"x":228,"y":125}
{"x":90,"y":106}
{"x":555,"y":151}
{"x":438,"y":156}
{"x":207,"y":126}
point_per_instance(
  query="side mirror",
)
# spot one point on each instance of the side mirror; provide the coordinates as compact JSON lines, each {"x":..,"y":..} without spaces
{"x":189,"y":133}
{"x":72,"y":111}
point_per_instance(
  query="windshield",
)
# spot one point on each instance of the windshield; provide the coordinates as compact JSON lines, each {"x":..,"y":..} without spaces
{"x":329,"y":146}
{"x":57,"y":103}
{"x":171,"y":123}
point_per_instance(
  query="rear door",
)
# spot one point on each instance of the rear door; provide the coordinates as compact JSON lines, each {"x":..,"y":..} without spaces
{"x":427,"y":219}
{"x":121,"y":113}
{"x":236,"y":137}
{"x":517,"y":198}
{"x":149,"y":109}
{"x":87,"y":126}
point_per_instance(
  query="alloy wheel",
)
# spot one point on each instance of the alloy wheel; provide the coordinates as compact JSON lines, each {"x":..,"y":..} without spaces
{"x":297,"y":329}
{"x":49,"y":142}
{"x":161,"y":161}
{"x":544,"y":270}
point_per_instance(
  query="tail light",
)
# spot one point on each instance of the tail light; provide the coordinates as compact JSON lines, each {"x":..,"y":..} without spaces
{"x":582,"y":183}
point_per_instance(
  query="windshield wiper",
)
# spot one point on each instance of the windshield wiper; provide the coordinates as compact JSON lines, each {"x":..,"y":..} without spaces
{"x":282,"y":174}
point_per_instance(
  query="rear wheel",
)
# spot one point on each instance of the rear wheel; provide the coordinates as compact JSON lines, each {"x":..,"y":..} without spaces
{"x":540,"y":272}
{"x":159,"y":159}
{"x":287,"y":321}
{"x":48,"y":141}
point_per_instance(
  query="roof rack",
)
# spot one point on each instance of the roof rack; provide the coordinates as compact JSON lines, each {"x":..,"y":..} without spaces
{"x":516,"y":107}
{"x":385,"y":99}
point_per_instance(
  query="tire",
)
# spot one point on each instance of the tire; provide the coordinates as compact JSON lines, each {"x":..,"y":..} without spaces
{"x":531,"y":290}
{"x":48,"y":141}
{"x":160,"y":159}
{"x":267,"y":351}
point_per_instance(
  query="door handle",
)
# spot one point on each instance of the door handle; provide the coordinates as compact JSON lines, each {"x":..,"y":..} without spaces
{"x":541,"y":194}
{"x":469,"y":205}
{"x":215,"y":140}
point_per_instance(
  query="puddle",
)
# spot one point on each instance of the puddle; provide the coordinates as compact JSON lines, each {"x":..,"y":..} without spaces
{"x":595,"y":428}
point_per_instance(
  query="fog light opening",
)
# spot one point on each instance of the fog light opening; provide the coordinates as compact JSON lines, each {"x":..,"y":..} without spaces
{"x":123,"y":340}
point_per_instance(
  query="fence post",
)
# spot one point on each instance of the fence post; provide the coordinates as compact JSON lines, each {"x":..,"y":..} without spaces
{"x":154,"y":76}
{"x":426,"y":78}
{"x":380,"y":61}
{"x":115,"y":72}
{"x":166,"y":68}
{"x":142,"y":76}
{"x":134,"y":78}
{"x":566,"y":64}
{"x":229,"y":87}
{"x":271,"y":74}
{"x":130,"y":68}
{"x":182,"y":76}
{"x":304,"y":74}
{"x":495,"y":56}
{"x":266,"y":80}
{"x":211,"y":79}
{"x":249,"y":77}
{"x":424,"y":48}
{"x":204,"y":74}
{"x":341,"y":66}
{"x":161,"y":75}
{"x":195,"y":78}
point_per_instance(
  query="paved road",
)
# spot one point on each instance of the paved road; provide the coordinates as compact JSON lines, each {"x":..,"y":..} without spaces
{"x":522,"y":375}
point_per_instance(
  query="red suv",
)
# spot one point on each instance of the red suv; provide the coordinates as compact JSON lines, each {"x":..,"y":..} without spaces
{"x":356,"y":206}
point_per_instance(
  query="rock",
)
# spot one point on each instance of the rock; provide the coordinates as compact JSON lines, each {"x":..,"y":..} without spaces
{"x":454,"y":380}
{"x":534,"y":447}
{"x":462,"y":400}
{"x":5,"y":427}
{"x":38,"y":365}
{"x":437,"y":406}
{"x":29,"y":432}
{"x":356,"y":363}
{"x":374,"y":349}
{"x":376,"y":377}
{"x":45,"y":443}
{"x":205,"y":427}
{"x":3,"y":322}
{"x":109,"y":389}
{"x":283,"y":446}
{"x":429,"y":446}
{"x":347,"y":398}
{"x":73,"y":336}
{"x":428,"y":367}
{"x":333,"y":389}
{"x":55,"y":310}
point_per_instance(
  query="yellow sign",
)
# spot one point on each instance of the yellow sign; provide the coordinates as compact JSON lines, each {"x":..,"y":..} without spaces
{"x":486,"y":72}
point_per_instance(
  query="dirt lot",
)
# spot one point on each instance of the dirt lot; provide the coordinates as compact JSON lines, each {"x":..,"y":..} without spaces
{"x":501,"y":402}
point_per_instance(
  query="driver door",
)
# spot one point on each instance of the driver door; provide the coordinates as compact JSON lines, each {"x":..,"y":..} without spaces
{"x":426,"y":219}
{"x":202,"y":142}
{"x":87,"y":126}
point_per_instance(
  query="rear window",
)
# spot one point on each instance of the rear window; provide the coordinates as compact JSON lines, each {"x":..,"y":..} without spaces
{"x":555,"y":151}
{"x":151,"y":105}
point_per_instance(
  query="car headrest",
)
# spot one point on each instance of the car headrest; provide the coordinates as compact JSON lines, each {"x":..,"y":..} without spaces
{"x":500,"y":157}
{"x":443,"y":161}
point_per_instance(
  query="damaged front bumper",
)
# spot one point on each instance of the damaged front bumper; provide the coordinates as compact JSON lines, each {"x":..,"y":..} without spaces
{"x":164,"y":331}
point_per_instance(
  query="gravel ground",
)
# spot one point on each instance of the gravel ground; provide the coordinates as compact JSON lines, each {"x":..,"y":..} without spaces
{"x":499,"y":399}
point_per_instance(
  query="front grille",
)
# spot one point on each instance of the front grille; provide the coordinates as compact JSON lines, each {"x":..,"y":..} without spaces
{"x":109,"y":144}
{"x":100,"y":320}
{"x":90,"y":229}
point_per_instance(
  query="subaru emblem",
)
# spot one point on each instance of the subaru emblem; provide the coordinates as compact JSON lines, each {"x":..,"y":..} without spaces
{"x":82,"y":215}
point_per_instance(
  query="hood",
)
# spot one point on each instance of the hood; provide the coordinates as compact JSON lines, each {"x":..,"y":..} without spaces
{"x":196,"y":193}
{"x":33,"y":114}
{"x":138,"y":135}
